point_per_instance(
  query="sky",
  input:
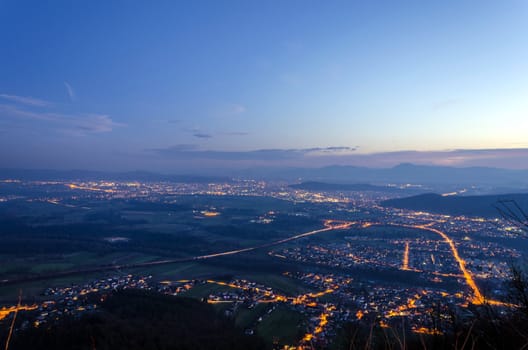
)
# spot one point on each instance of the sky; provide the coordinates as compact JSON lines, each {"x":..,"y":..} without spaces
{"x":181,"y":86}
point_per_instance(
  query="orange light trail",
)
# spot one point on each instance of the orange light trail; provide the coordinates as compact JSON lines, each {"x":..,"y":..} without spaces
{"x":478,"y":298}
{"x":207,"y":213}
{"x":210,"y":301}
{"x":5,"y":311}
{"x":405,"y":265}
{"x":305,"y":299}
{"x":423,"y":330}
{"x":86,"y":188}
{"x":323,"y":321}
{"x":320,"y":294}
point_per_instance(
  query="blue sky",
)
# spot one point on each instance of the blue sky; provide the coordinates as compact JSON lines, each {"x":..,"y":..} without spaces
{"x":176,"y":86}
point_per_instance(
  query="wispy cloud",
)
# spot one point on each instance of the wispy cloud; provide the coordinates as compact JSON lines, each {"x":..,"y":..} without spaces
{"x":70,"y":91}
{"x":193,"y":152}
{"x":236,"y":133}
{"x":202,"y":135}
{"x":198,"y":133}
{"x":324,"y":156}
{"x":28,"y":101}
{"x":230,"y":110}
{"x":76,"y":123}
{"x":499,"y":158}
{"x":237,"y":109}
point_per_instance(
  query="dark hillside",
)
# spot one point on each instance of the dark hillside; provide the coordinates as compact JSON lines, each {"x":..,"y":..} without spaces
{"x":135,"y":319}
{"x":457,"y":205}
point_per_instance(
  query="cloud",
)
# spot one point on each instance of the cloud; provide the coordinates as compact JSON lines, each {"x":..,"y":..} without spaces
{"x":332,"y":150}
{"x":236,"y":133}
{"x":70,"y":91}
{"x":326,"y":156}
{"x":76,"y":123}
{"x":28,"y":101}
{"x":184,"y":147}
{"x":498,"y":158}
{"x":198,"y":133}
{"x":237,"y":109}
{"x":268,"y":155}
{"x":94,"y":123}
{"x":202,"y":135}
{"x":231,"y":110}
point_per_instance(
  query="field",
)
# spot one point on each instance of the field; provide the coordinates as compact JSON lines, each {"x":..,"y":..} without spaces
{"x":282,"y":325}
{"x":42,"y":238}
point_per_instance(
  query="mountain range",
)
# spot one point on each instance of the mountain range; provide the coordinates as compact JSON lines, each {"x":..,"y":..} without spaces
{"x":501,"y":179}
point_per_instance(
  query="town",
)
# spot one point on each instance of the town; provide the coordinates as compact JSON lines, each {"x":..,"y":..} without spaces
{"x":360,"y":276}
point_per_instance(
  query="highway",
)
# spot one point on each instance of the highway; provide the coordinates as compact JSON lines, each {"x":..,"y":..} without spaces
{"x":329,"y":225}
{"x":477,"y":297}
{"x":405,"y":264}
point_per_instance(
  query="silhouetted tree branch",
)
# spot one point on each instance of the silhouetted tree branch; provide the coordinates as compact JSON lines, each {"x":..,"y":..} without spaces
{"x":513,"y":213}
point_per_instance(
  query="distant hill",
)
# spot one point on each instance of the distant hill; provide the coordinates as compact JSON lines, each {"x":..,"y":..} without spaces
{"x":457,"y":205}
{"x":88,"y":175}
{"x":428,"y":176}
{"x":400,"y":174}
{"x":323,"y":186}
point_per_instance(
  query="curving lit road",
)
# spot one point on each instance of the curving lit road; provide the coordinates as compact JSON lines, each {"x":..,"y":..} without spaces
{"x":478,"y":298}
{"x":329,"y":225}
{"x":405,"y":263}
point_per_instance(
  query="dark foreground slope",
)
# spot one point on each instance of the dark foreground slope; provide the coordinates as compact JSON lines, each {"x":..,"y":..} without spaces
{"x":140,"y":320}
{"x":485,"y":206}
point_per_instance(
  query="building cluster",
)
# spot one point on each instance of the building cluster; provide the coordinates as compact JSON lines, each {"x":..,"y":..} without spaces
{"x":75,"y":300}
